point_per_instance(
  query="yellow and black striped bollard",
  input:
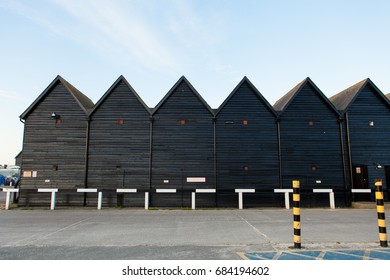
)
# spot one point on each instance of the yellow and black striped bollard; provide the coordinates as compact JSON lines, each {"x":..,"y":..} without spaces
{"x":297,"y":215}
{"x":380,"y":208}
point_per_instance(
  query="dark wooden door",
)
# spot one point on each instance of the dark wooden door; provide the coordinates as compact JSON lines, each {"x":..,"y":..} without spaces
{"x":360,"y":181}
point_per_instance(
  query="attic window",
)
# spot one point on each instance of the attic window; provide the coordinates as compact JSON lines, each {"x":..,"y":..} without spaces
{"x":245,"y":122}
{"x":120,"y":121}
{"x":313,"y":168}
{"x":58,"y":121}
{"x":311,"y":123}
{"x":246,"y":168}
{"x":371,"y":123}
{"x":182,"y":122}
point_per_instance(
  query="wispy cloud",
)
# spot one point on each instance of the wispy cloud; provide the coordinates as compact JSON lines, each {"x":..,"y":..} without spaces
{"x":11,"y":95}
{"x":103,"y":26}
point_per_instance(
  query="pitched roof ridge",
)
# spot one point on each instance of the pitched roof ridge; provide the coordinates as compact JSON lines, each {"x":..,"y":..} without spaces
{"x":111,"y":89}
{"x":172,"y":90}
{"x":255,"y":90}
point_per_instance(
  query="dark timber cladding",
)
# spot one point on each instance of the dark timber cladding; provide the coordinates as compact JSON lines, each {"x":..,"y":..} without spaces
{"x":183,"y":146}
{"x":54,"y":144}
{"x":367,"y":115}
{"x":311,"y":149}
{"x":247,"y":147}
{"x":119,"y":145}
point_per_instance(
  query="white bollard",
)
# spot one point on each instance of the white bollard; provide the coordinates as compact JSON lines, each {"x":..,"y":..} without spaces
{"x":286,"y":196}
{"x":8,"y":196}
{"x":53,"y":196}
{"x":100,"y":196}
{"x":193,"y":200}
{"x":146,"y":200}
{"x":240,"y":196}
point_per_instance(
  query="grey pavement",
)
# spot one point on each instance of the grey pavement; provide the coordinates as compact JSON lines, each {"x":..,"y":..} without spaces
{"x":130,"y":233}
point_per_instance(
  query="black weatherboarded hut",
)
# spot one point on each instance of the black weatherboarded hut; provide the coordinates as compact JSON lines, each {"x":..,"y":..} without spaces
{"x":183,"y":147}
{"x":247,"y":147}
{"x":119,"y":146}
{"x":54,"y":145}
{"x":311,"y":146}
{"x":367,"y":122}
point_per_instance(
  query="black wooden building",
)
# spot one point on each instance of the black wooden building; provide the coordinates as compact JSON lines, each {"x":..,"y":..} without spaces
{"x":182,"y":146}
{"x":247,"y":147}
{"x":54,"y":144}
{"x":311,"y":146}
{"x":367,"y":124}
{"x":119,"y":146}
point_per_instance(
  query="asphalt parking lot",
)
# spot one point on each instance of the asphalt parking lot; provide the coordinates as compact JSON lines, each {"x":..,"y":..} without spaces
{"x":128,"y":233}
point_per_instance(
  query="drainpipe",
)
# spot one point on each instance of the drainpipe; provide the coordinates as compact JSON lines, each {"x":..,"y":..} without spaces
{"x":279,"y":153}
{"x":151,"y":120}
{"x":215,"y":158}
{"x":86,"y":163}
{"x":349,"y":149}
{"x":343,"y":160}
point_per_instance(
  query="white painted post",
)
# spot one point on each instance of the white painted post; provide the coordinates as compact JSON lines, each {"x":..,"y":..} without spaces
{"x":331,"y":196}
{"x":100,"y":197}
{"x":8,"y":192}
{"x":53,"y":196}
{"x":240,"y":204}
{"x":146,"y":200}
{"x":200,"y":191}
{"x":286,"y":196}
{"x":7,"y":199}
{"x":240,"y":196}
{"x":193,"y":200}
{"x":53,"y":200}
{"x":332,"y":201}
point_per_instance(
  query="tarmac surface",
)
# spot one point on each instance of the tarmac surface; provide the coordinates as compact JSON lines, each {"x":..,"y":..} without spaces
{"x":228,"y":234}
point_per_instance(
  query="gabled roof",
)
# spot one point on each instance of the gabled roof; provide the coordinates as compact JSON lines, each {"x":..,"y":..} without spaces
{"x":282,"y":104}
{"x":84,"y":102}
{"x":111,"y":89}
{"x":344,"y":99}
{"x":254,"y":89}
{"x":173,"y":89}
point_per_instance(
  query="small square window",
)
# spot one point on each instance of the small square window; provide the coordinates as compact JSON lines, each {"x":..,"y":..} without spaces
{"x":245,"y":122}
{"x":371,"y":123}
{"x":313,"y":168}
{"x":182,"y":122}
{"x":120,"y":121}
{"x":246,"y":167}
{"x":58,"y":121}
{"x":311,"y":123}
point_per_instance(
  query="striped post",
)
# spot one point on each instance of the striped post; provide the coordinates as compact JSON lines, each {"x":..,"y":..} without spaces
{"x":297,"y":215}
{"x":380,"y":207}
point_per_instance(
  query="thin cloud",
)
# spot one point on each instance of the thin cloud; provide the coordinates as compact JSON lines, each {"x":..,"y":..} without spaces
{"x":103,"y":26}
{"x":11,"y":95}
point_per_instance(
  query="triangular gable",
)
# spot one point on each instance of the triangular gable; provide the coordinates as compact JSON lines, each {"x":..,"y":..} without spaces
{"x":282,"y":104}
{"x":111,"y":89}
{"x":256,"y":92}
{"x":173,"y":89}
{"x":344,"y":99}
{"x":84,"y":102}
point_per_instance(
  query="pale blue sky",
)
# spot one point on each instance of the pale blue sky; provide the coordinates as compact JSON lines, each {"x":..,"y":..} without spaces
{"x":275,"y":43}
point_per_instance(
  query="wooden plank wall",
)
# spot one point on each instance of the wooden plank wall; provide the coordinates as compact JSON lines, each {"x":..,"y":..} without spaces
{"x":247,"y":149}
{"x":182,"y":150}
{"x":310,"y":140}
{"x":119,"y":143}
{"x":47,"y":144}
